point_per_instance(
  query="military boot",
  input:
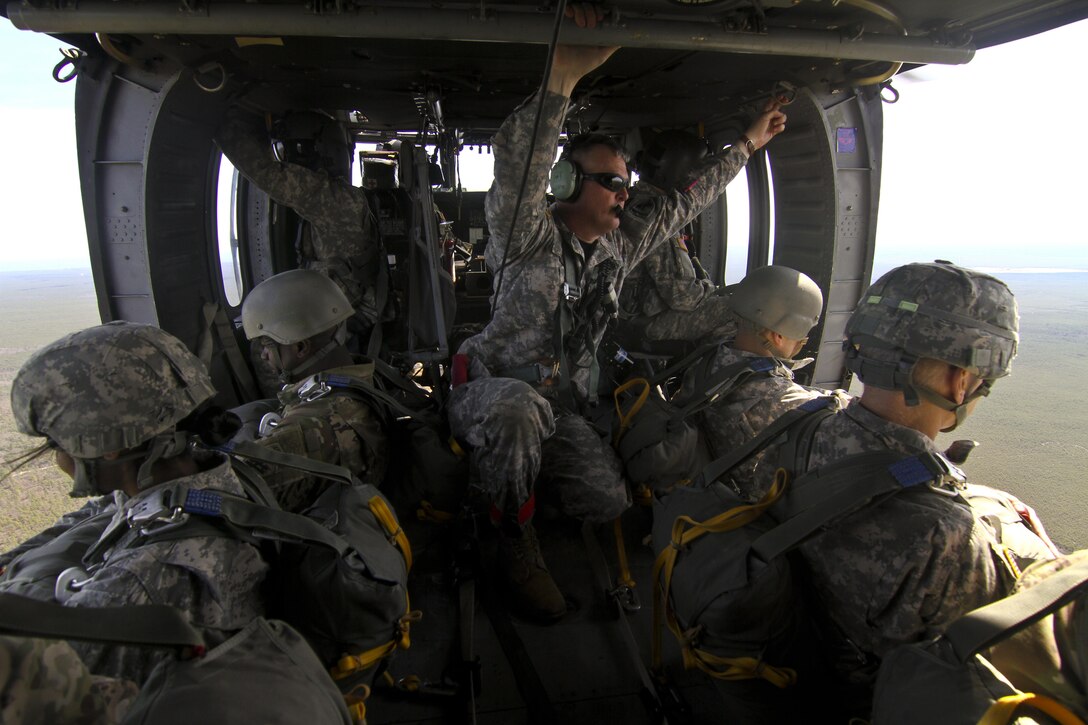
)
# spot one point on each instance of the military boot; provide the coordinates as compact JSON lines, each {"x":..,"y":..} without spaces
{"x":533,"y":593}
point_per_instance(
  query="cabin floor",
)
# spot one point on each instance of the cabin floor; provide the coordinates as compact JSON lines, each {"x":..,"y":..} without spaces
{"x":579,"y":670}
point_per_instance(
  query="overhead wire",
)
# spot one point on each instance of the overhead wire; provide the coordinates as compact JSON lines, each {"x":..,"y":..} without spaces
{"x":560,"y":11}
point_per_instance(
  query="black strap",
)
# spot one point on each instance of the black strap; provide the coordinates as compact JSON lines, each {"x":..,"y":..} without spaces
{"x":152,"y":625}
{"x":710,"y":473}
{"x":249,"y":449}
{"x":722,"y":381}
{"x":347,"y":382}
{"x":821,"y":496}
{"x":988,"y":625}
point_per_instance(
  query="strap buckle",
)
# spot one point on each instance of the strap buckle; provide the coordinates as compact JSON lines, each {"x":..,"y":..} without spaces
{"x":312,"y":389}
{"x":627,"y":597}
{"x":154,"y":514}
{"x":570,"y":294}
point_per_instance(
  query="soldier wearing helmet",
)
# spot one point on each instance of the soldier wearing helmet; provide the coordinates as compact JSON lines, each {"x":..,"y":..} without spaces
{"x":927,"y":341}
{"x":668,"y":296}
{"x":298,"y":320}
{"x":773,"y":308}
{"x":121,"y":405}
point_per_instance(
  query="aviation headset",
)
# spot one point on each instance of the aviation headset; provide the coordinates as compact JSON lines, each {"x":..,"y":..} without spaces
{"x":566,"y":175}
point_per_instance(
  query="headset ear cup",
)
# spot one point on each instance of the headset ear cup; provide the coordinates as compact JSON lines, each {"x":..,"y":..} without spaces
{"x":566,"y":180}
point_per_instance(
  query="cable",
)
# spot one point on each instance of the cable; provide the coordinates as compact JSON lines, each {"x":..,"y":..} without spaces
{"x":560,"y":11}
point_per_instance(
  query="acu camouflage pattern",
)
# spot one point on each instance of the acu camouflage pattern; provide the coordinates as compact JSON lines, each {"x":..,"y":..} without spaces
{"x":108,"y":388}
{"x":45,"y":681}
{"x":508,"y":424}
{"x":523,"y":323}
{"x":904,"y":569}
{"x":216,"y":579}
{"x":517,"y":439}
{"x":340,"y":428}
{"x":345,"y":235}
{"x":742,"y":413}
{"x":940,"y":311}
{"x":665,"y":298}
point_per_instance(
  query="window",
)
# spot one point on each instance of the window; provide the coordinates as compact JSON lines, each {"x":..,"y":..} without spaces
{"x":226,"y":216}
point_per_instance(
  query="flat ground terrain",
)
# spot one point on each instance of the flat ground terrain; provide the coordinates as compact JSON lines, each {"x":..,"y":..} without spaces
{"x":1032,"y":431}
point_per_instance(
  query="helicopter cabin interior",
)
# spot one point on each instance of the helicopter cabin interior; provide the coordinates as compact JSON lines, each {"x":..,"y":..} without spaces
{"x":420,"y":85}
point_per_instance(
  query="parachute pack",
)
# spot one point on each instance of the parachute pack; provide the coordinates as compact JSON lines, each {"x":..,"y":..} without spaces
{"x":1020,"y":659}
{"x":266,"y":672}
{"x":654,"y":437}
{"x":723,"y":581}
{"x":344,"y":561}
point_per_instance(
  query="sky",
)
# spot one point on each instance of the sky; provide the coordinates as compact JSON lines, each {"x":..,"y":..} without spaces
{"x":983,"y":163}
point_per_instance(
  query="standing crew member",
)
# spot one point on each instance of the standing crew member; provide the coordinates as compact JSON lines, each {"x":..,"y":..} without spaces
{"x":520,"y":410}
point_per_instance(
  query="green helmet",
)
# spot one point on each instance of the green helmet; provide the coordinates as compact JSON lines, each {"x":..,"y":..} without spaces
{"x":108,"y":388}
{"x":779,"y":299}
{"x":939,"y":311}
{"x":294,"y":306}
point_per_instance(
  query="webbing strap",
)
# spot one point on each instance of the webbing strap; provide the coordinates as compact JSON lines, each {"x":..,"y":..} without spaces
{"x":249,"y":449}
{"x":835,"y":491}
{"x":723,"y":381}
{"x":1003,"y":710}
{"x":684,"y":531}
{"x":988,"y":625}
{"x":564,"y":323}
{"x":599,"y":565}
{"x":717,"y":467}
{"x":215,"y":318}
{"x":347,"y":382}
{"x":153,"y":625}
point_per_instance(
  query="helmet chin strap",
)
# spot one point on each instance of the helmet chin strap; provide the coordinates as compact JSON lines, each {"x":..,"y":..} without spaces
{"x":960,"y":410}
{"x":291,"y":375}
{"x":164,"y":445}
{"x":84,"y":483}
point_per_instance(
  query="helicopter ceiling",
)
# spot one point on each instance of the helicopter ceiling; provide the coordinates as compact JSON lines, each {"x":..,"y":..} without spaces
{"x":401,"y":66}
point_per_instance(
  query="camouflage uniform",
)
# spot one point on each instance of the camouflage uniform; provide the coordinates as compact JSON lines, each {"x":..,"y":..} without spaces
{"x":43,"y":681}
{"x":338,"y":428}
{"x":666,"y":299}
{"x":508,"y":422}
{"x":742,"y":413}
{"x":345,"y":232}
{"x":215,"y":579}
{"x":901,"y":570}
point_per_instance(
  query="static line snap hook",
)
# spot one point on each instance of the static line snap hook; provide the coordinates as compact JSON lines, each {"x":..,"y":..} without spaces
{"x":208,"y":68}
{"x":887,"y":86}
{"x":72,"y":56}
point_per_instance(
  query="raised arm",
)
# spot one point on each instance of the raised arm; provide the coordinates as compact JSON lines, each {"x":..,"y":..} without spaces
{"x":512,"y":153}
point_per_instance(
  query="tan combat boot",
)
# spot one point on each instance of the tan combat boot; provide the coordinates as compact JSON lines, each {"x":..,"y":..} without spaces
{"x":533,"y":593}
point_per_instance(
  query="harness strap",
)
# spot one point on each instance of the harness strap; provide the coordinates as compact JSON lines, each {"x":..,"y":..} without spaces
{"x":838,"y":490}
{"x":347,"y":382}
{"x":249,"y":449}
{"x":153,"y":625}
{"x":216,"y":319}
{"x":685,"y":530}
{"x":1003,"y":710}
{"x":994,"y":622}
{"x":717,"y":467}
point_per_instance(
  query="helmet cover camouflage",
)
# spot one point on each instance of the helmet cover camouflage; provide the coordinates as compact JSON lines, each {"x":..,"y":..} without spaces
{"x":779,"y":299}
{"x":939,"y":311}
{"x":108,"y":388}
{"x":294,"y":306}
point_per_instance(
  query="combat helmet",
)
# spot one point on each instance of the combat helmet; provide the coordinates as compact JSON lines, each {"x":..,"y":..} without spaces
{"x":669,"y":159}
{"x":294,"y":306}
{"x":779,"y":299}
{"x":107,"y":389}
{"x":935,"y":310}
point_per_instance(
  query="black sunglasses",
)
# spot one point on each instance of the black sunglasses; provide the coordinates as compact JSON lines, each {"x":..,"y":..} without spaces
{"x":612,"y":182}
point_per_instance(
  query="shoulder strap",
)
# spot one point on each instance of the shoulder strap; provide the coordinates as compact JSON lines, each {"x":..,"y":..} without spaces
{"x":153,"y":625}
{"x":988,"y":625}
{"x":322,"y":383}
{"x":817,"y":406}
{"x":249,"y":449}
{"x":722,"y":381}
{"x":823,"y":495}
